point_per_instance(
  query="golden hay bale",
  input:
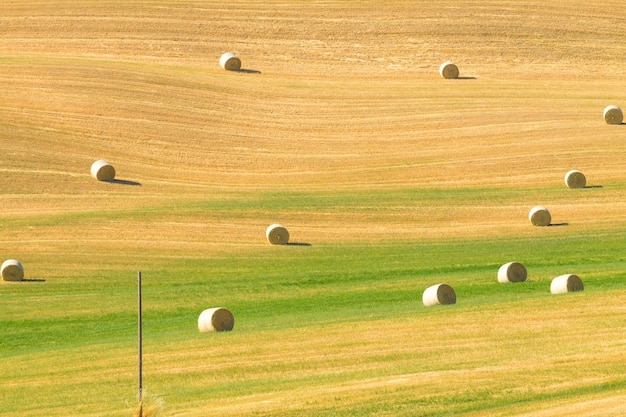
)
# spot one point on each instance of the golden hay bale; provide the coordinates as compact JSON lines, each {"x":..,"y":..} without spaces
{"x":539,"y":216}
{"x":512,"y":272}
{"x":449,"y":70}
{"x":575,"y":179}
{"x":12,"y":270}
{"x":216,"y":320}
{"x":566,"y":283}
{"x":438,"y":294}
{"x":277,"y":234}
{"x":102,"y":170}
{"x":613,"y":115}
{"x":230,"y":62}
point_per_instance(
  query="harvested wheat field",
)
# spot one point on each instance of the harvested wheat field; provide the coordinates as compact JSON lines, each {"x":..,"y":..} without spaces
{"x":389,"y":177}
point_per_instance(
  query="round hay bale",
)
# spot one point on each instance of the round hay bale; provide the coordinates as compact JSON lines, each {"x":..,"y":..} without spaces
{"x":512,"y":272}
{"x":277,"y":234}
{"x":438,"y":295}
{"x":230,"y":62}
{"x":12,"y":270}
{"x":102,"y":170}
{"x":449,"y":70}
{"x":575,"y":179}
{"x":216,"y":319}
{"x":566,"y":283}
{"x":539,"y":216}
{"x":613,"y":115}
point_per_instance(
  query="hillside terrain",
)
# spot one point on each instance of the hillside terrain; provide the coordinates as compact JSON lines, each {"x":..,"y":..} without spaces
{"x":389,"y":178}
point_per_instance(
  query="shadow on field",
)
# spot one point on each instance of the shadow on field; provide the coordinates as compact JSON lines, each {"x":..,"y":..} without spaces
{"x":592,"y":186}
{"x":558,"y":224}
{"x":125,"y":182}
{"x":248,"y":71}
{"x":33,"y":280}
{"x":298,"y":244}
{"x":465,"y":78}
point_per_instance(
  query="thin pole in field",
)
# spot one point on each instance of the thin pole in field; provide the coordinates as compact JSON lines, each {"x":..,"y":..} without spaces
{"x":140,"y":342}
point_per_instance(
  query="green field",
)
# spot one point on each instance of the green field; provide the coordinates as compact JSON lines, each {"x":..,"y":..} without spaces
{"x":389,"y":179}
{"x":325,"y":329}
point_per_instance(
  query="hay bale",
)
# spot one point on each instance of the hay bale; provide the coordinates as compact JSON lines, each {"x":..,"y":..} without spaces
{"x":216,"y":319}
{"x":449,"y":70}
{"x":438,"y":295}
{"x":277,"y":234}
{"x":539,"y":216}
{"x":566,"y":283}
{"x":512,"y":272}
{"x":102,"y":170}
{"x":575,"y":179}
{"x":12,"y":270}
{"x":613,"y":115}
{"x":230,"y":62}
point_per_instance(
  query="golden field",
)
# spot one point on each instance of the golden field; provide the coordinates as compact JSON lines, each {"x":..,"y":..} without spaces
{"x":339,"y":127}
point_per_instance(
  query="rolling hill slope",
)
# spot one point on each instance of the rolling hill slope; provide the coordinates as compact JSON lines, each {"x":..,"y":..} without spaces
{"x":389,"y":177}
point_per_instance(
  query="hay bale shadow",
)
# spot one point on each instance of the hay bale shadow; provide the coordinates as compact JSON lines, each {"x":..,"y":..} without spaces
{"x":558,"y":224}
{"x":298,"y":244}
{"x":31,"y":280}
{"x":465,"y":78}
{"x":248,"y":71}
{"x":593,"y":186}
{"x":125,"y":182}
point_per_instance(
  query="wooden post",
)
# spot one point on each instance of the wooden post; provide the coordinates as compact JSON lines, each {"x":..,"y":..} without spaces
{"x":140,"y":343}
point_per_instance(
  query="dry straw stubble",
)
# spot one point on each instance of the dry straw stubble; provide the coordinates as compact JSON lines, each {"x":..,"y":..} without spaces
{"x":439,"y":294}
{"x":450,"y":170}
{"x":566,"y":283}
{"x":149,"y":406}
{"x":512,"y":272}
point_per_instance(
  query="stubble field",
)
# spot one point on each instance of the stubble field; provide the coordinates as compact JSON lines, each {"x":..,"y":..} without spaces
{"x":389,"y":178}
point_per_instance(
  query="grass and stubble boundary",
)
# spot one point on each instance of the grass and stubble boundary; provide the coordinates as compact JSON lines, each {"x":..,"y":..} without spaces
{"x":389,"y":178}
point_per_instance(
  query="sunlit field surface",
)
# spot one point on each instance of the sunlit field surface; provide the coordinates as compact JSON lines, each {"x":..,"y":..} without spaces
{"x":388,"y":177}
